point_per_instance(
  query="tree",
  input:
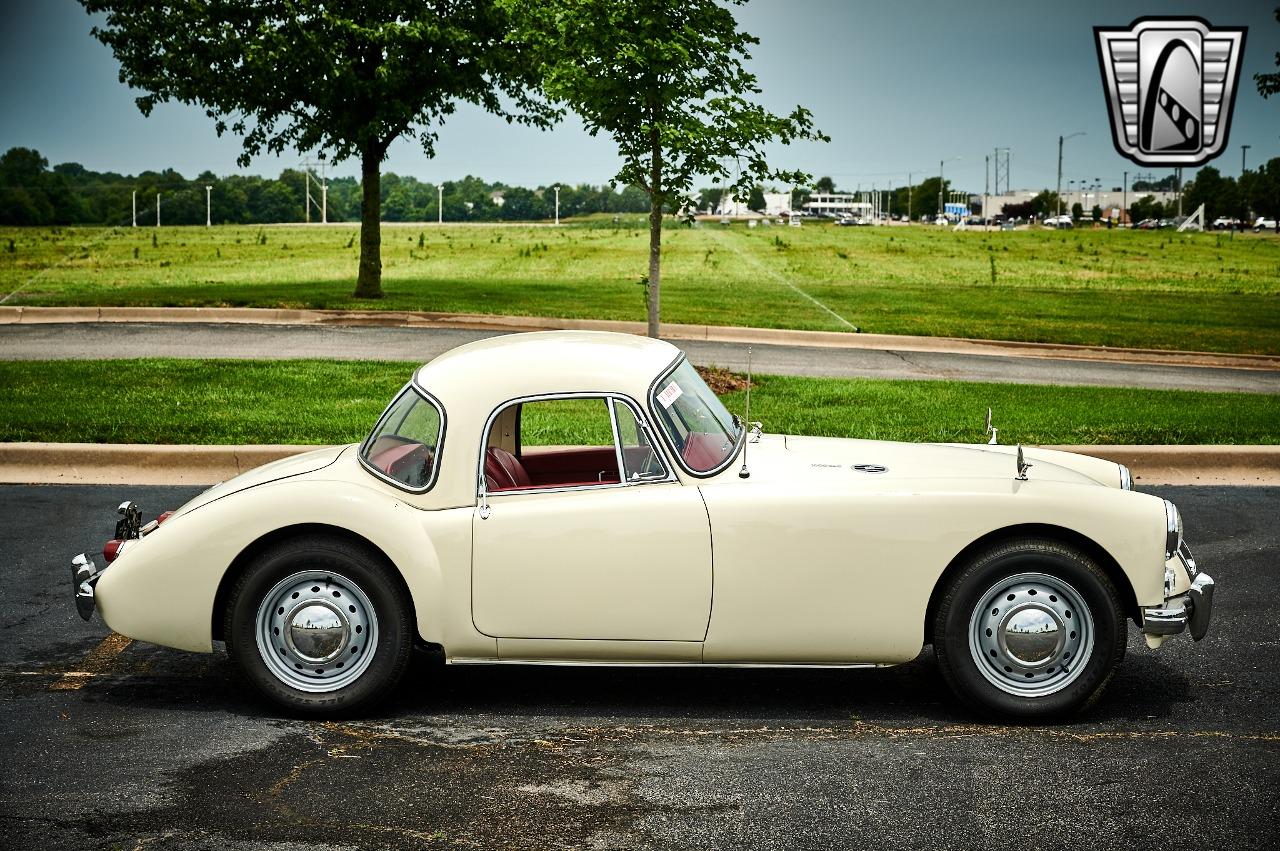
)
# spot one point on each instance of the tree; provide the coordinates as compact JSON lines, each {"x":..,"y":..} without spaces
{"x":1096,"y":213}
{"x":1046,"y":203}
{"x":1077,"y":211}
{"x":755,"y":199}
{"x":665,"y":80}
{"x":345,"y":77}
{"x":825,"y":186}
{"x":1269,"y":84}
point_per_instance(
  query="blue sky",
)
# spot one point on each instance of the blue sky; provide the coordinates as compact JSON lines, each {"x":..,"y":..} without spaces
{"x":897,"y":85}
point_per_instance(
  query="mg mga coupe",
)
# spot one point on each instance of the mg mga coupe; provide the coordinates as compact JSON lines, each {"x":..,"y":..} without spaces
{"x":584,"y":498}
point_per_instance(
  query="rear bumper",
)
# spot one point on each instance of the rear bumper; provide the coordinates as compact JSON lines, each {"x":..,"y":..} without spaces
{"x":85,"y":574}
{"x":1188,"y":612}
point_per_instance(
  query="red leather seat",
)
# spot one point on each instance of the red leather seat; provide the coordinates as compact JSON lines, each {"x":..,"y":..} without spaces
{"x":503,"y":471}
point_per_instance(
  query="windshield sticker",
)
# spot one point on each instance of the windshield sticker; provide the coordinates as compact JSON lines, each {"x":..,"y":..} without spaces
{"x":670,"y":394}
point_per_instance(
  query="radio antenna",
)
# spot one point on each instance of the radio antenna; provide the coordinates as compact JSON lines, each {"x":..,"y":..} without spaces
{"x":746,"y":423}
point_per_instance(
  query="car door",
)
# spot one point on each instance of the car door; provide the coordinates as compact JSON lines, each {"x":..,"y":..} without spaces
{"x":622,"y":556}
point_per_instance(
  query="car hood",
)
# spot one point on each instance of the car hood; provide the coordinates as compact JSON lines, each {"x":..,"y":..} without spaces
{"x":793,"y":457}
{"x":294,"y":465}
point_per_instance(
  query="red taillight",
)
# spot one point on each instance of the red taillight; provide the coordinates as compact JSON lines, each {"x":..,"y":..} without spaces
{"x":163,"y":517}
{"x":112,"y":550}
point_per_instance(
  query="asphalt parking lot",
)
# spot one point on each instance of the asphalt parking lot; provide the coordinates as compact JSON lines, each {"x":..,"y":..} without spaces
{"x":163,"y":749}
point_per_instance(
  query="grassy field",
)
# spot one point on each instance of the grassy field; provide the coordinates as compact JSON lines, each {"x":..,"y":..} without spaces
{"x":307,"y":401}
{"x":1154,"y":289}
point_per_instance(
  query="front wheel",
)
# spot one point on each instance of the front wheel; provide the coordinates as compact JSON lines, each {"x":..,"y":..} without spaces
{"x":320,"y":626}
{"x":1030,"y":628}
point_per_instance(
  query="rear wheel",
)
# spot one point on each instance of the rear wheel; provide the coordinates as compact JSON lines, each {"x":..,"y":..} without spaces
{"x":1030,"y":628}
{"x":320,"y":626}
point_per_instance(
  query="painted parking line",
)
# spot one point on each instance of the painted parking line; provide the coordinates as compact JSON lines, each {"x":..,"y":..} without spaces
{"x":96,"y":662}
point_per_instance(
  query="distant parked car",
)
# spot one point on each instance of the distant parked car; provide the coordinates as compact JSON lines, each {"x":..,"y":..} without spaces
{"x":1263,"y":223}
{"x":1063,"y":221}
{"x":1225,"y":223}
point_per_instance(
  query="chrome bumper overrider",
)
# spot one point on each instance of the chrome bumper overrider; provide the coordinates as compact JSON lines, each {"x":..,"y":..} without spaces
{"x":84,"y":575}
{"x":1190,"y":611}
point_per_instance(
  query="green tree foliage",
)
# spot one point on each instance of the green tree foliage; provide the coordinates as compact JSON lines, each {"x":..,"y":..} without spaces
{"x":824,"y":186}
{"x":666,"y":80}
{"x":69,"y":194}
{"x":1096,"y":213}
{"x":1261,"y":189}
{"x":1146,"y":207}
{"x":1077,"y":211}
{"x":343,"y":77}
{"x":755,"y":199}
{"x":1047,"y":203}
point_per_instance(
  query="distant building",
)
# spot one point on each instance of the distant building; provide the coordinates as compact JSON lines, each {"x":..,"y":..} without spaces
{"x":775,"y":204}
{"x":822,"y":204}
{"x":1107,"y":199}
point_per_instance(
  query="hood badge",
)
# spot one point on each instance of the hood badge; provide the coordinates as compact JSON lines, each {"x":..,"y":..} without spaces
{"x":1023,"y":466}
{"x":870,"y":468}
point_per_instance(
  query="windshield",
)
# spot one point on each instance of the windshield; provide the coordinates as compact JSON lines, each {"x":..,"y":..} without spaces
{"x":404,"y":444}
{"x":701,"y":429}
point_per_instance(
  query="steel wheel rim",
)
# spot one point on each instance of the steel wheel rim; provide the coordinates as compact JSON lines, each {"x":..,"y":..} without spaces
{"x":316,"y":631}
{"x":1031,"y":635}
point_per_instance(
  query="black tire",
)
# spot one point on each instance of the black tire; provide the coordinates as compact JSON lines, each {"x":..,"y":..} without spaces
{"x":351,"y":564}
{"x":957,"y":619}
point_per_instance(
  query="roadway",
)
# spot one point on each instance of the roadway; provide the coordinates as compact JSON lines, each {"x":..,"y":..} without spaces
{"x":80,"y":341}
{"x":165,"y":750}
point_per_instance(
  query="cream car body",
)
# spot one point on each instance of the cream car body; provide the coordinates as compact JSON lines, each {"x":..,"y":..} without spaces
{"x":829,"y":552}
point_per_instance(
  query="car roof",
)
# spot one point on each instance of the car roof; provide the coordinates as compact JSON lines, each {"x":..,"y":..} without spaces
{"x":541,"y":362}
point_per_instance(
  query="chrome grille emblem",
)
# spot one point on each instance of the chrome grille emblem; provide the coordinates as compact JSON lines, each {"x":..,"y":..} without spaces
{"x":1170,"y":85}
{"x":870,"y":468}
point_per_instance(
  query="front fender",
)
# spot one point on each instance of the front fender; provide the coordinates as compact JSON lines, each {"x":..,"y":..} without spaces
{"x":162,"y":589}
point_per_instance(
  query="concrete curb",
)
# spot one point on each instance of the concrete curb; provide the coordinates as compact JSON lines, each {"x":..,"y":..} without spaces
{"x":144,"y":464}
{"x":714,"y":333}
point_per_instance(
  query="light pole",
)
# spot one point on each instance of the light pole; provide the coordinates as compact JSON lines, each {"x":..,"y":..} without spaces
{"x":908,"y":197}
{"x":1244,"y":149}
{"x":208,"y":206}
{"x":157,"y":209}
{"x":942,"y":210}
{"x":440,"y":204}
{"x":1062,"y":139}
{"x":557,"y":204}
{"x":1124,"y":202}
{"x":135,"y":208}
{"x":324,"y":203}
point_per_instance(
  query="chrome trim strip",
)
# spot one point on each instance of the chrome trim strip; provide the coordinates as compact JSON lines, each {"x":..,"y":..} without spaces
{"x":439,"y":448}
{"x":606,"y":663}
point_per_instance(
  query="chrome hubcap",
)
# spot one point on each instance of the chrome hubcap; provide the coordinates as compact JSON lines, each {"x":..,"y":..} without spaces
{"x":1031,"y":634}
{"x":317,"y":631}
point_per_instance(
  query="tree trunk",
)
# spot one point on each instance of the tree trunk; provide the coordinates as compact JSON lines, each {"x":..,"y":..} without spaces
{"x":369,"y":281}
{"x":655,"y":234}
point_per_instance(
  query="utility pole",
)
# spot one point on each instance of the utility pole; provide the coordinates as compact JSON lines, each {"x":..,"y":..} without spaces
{"x":941,"y":207}
{"x":1124,"y":202}
{"x":986,"y":189}
{"x":909,"y":197}
{"x":324,"y":203}
{"x":208,"y":206}
{"x":157,"y":209}
{"x":440,"y":204}
{"x":1062,"y":139}
{"x":135,"y":208}
{"x":1244,"y":149}
{"x":306,"y":170}
{"x":557,"y":204}
{"x":1178,"y":186}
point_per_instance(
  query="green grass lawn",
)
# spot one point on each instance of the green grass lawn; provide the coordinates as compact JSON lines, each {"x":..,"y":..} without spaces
{"x":311,"y":401}
{"x":1155,"y":289}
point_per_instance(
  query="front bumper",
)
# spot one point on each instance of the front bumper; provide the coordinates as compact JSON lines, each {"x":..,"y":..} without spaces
{"x":1190,"y":611}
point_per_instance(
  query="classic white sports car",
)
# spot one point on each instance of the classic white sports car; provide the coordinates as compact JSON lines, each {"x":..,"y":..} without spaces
{"x":584,"y":498}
